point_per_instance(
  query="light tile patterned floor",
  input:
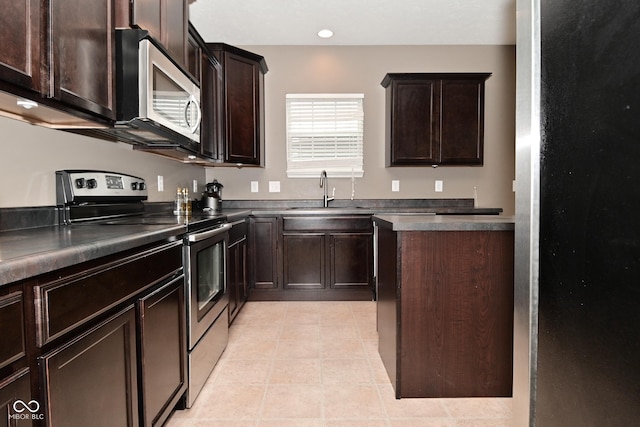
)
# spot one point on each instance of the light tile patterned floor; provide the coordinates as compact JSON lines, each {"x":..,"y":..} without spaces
{"x":316,"y":364}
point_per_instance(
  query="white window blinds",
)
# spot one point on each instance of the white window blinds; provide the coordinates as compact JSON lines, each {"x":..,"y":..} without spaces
{"x":325,"y":132}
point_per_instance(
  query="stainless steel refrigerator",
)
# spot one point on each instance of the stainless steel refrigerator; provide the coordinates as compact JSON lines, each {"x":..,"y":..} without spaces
{"x":578,"y":240}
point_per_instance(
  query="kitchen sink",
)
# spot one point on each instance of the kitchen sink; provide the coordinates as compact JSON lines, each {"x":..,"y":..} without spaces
{"x":327,"y":211}
{"x":328,"y":208}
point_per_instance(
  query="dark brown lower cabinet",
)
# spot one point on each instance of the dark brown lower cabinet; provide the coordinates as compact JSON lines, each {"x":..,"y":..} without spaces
{"x":13,"y":342}
{"x":162,"y":348}
{"x":327,"y":258}
{"x":14,"y":375}
{"x":304,"y":260}
{"x":109,"y":339}
{"x":264,"y":253}
{"x":92,"y":379}
{"x":351,"y":261}
{"x":237,"y":284}
{"x":15,"y":388}
{"x":445,"y":312}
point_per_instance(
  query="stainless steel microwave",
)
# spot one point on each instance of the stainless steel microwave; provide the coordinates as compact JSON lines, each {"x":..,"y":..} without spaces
{"x":166,"y":95}
{"x":157,"y":102}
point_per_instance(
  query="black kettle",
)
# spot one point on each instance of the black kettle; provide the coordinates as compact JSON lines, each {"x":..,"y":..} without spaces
{"x":212,"y":197}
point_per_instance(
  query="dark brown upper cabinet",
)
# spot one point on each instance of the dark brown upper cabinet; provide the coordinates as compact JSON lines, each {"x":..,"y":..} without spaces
{"x":434,"y":119}
{"x":175,"y":18}
{"x":20,"y":33}
{"x":243,"y":104}
{"x":194,"y":53}
{"x":165,"y":20}
{"x":206,"y":69}
{"x":82,"y":39}
{"x":60,"y":54}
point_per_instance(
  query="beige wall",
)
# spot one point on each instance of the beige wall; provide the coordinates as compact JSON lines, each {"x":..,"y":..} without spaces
{"x":30,"y":155}
{"x":361,"y":69}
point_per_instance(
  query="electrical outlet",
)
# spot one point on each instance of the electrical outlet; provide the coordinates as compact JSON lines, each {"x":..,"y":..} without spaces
{"x":254,"y":187}
{"x":439,"y":185}
{"x":160,"y":183}
{"x":395,"y":185}
{"x":195,"y":186}
{"x":274,"y":186}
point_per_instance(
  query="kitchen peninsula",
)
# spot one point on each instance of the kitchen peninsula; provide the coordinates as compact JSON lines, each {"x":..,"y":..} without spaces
{"x":445,"y":304}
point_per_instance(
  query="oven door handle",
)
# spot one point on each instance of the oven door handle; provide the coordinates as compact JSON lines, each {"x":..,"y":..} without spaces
{"x":198,"y":237}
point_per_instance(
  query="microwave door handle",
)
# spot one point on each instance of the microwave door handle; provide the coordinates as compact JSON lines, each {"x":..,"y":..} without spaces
{"x":198,"y":237}
{"x":192,"y":127}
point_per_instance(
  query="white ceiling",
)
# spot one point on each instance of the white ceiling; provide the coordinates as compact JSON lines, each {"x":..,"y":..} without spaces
{"x":355,"y":22}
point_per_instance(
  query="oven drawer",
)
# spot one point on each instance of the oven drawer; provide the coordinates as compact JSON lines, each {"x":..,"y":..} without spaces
{"x":203,"y":358}
{"x":71,"y":301}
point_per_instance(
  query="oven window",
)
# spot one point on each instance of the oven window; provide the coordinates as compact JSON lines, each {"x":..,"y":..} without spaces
{"x":210,"y":274}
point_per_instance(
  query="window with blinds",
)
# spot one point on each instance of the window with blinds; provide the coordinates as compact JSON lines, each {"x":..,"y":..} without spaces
{"x":325,"y":132}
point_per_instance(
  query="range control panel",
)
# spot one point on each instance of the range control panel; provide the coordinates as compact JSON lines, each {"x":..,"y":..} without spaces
{"x":74,"y":186}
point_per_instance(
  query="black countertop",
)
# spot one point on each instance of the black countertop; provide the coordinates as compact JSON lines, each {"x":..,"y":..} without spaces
{"x":30,"y":252}
{"x":27,"y":252}
{"x":361,"y":207}
{"x":446,"y":222}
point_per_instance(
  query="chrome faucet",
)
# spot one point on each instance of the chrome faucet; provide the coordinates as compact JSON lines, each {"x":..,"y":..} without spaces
{"x":324,"y":185}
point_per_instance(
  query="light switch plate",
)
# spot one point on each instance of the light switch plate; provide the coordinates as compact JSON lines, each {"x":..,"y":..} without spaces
{"x":439,"y":186}
{"x":274,"y":186}
{"x":160,"y":183}
{"x":254,"y":187}
{"x":195,"y":186}
{"x":395,"y":185}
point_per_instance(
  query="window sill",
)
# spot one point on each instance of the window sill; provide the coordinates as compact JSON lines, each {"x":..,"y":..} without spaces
{"x":331,"y":173}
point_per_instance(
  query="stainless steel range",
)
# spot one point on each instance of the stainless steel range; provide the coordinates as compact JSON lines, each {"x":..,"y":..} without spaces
{"x":89,"y":196}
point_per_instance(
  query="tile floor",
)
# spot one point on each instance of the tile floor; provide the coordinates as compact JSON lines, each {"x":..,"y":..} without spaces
{"x":315,"y":364}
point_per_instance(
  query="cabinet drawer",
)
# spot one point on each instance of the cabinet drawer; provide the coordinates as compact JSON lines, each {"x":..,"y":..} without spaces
{"x":238,"y":231}
{"x":11,"y":328}
{"x":72,"y":301}
{"x":327,"y":223}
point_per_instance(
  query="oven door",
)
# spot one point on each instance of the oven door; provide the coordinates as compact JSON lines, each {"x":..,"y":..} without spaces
{"x":206,"y":279}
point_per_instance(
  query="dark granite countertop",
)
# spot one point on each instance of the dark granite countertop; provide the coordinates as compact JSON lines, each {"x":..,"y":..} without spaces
{"x":30,"y":245}
{"x":30,"y":252}
{"x":361,"y":207}
{"x":445,"y":222}
{"x":320,"y":211}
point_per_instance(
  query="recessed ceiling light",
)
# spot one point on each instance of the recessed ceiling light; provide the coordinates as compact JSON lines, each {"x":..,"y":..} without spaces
{"x":325,"y":34}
